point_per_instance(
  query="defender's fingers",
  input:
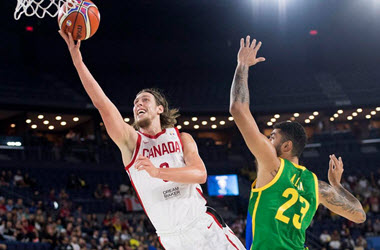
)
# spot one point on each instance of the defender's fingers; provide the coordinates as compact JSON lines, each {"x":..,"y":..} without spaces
{"x":241,"y":42}
{"x":253,"y":44}
{"x":258,"y":46}
{"x":336,"y":162}
{"x":261,"y":59}
{"x":247,"y":41}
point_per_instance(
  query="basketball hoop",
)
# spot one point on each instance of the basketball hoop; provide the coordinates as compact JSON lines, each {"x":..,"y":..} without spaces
{"x":40,"y":8}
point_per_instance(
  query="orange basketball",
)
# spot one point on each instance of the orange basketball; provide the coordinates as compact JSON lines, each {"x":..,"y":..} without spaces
{"x":81,"y":20}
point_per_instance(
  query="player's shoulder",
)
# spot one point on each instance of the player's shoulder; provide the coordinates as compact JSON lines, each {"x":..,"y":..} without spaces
{"x":185,"y":136}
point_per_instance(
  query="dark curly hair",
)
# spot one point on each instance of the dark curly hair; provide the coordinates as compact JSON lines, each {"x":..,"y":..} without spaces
{"x":293,"y":131}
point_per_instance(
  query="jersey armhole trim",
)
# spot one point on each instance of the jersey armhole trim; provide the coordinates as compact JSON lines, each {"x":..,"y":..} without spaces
{"x":137,"y":148}
{"x":254,"y":216}
{"x":272,"y":182}
{"x":201,"y":193}
{"x":179,"y":137}
{"x":316,"y":190}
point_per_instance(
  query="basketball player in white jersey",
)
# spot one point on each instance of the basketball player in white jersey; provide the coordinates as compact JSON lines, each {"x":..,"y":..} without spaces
{"x":164,"y":167}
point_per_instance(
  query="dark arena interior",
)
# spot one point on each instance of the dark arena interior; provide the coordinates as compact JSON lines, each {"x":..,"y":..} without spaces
{"x":62,"y":180}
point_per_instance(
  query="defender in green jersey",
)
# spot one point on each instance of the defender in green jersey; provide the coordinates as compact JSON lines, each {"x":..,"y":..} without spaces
{"x":285,"y":195}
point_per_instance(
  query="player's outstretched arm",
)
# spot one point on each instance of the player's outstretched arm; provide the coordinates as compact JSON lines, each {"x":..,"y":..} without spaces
{"x":336,"y":198}
{"x":119,"y":131}
{"x":193,"y":172}
{"x":257,"y":143}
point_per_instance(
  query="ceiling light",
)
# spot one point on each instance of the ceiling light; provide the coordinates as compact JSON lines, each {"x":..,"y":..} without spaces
{"x":359,"y":110}
{"x":212,"y":118}
{"x":194,"y":119}
{"x":276,"y":116}
{"x":51,"y":127}
{"x":127,"y":119}
{"x":28,"y":121}
{"x":269,"y":123}
{"x":34,"y":126}
{"x":354,"y":114}
{"x":373,"y":112}
{"x":296,"y":114}
{"x":75,"y":119}
{"x":196,"y":126}
{"x":230,"y":118}
{"x":179,"y":126}
{"x":311,"y":117}
{"x":332,"y":119}
{"x":222,"y":122}
{"x":368,"y":116}
{"x":40,"y":117}
{"x":214,"y":126}
{"x":349,"y":118}
{"x":340,"y":111}
{"x":63,"y":123}
{"x":336,"y":115}
{"x":273,"y":120}
{"x":315,"y":113}
{"x":307,"y":121}
{"x":186,"y":123}
{"x":58,"y":118}
{"x":204,"y":123}
{"x":46,"y":122}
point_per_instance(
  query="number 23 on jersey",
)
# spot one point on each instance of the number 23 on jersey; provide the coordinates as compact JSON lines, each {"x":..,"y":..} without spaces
{"x":294,"y":198}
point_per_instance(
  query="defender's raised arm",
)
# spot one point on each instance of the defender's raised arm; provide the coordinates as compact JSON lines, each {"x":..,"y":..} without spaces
{"x":257,"y":143}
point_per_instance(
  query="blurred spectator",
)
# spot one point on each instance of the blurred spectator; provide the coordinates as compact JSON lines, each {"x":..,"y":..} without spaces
{"x":9,"y":205}
{"x":325,"y":238}
{"x":118,"y":200}
{"x":376,"y":227}
{"x":63,"y":196}
{"x":335,"y":240}
{"x":71,"y":135}
{"x":107,"y":191}
{"x":19,"y":179}
{"x":360,"y":243}
{"x":3,"y":208}
{"x":98,"y":194}
{"x":123,"y":189}
{"x":29,"y":182}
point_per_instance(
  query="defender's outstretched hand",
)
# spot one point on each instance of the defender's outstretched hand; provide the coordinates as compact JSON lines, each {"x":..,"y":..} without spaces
{"x":248,"y":52}
{"x":73,"y":48}
{"x":335,"y":170}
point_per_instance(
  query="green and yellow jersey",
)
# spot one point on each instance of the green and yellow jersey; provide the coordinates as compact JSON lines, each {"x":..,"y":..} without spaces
{"x":280,"y":212}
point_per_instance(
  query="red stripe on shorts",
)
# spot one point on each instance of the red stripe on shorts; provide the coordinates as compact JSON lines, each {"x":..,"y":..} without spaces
{"x":159,"y":239}
{"x":231,"y":242}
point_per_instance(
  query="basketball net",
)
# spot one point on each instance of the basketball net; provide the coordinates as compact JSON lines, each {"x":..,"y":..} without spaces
{"x":40,"y":8}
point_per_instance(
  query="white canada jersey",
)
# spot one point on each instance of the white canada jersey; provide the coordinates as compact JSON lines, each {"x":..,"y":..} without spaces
{"x":169,"y":205}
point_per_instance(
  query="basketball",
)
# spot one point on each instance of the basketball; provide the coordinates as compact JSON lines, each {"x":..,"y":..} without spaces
{"x":81,"y":20}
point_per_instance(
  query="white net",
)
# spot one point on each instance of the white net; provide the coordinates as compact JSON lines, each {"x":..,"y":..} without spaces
{"x":40,"y":8}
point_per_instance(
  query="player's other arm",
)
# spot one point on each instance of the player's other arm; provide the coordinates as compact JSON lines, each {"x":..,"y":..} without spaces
{"x":193,"y":172}
{"x":336,"y":198}
{"x":257,"y":143}
{"x":119,"y":131}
